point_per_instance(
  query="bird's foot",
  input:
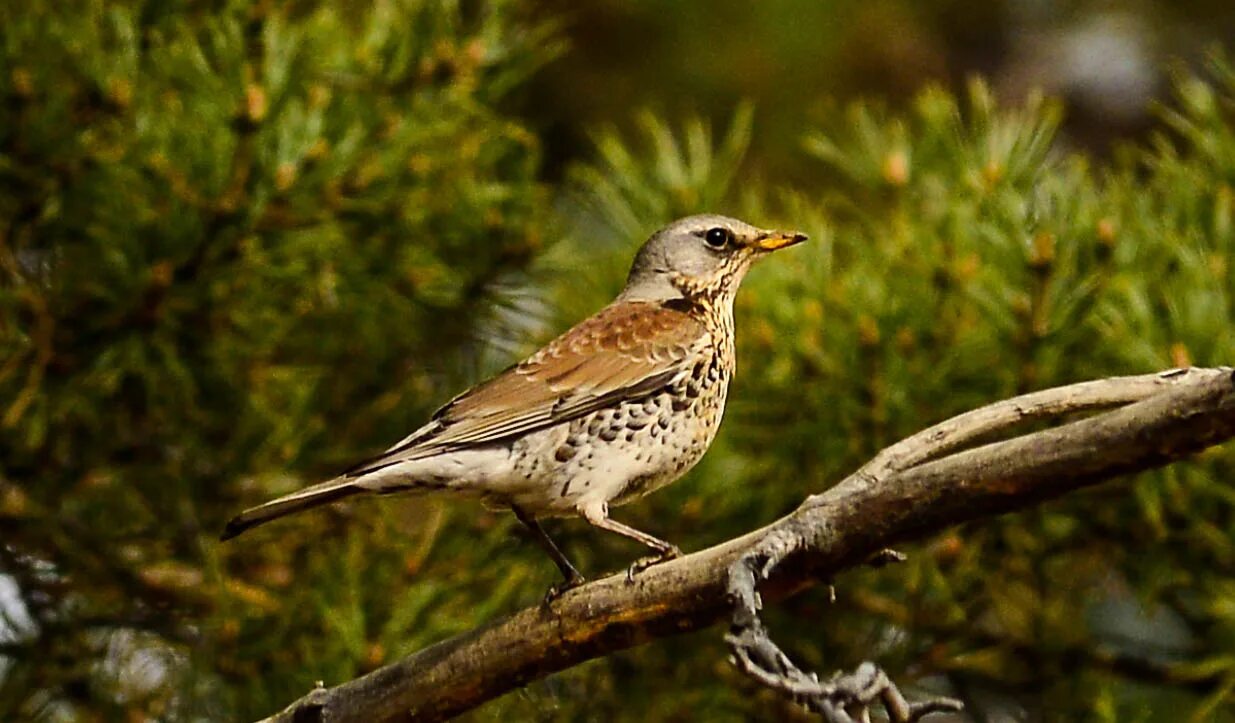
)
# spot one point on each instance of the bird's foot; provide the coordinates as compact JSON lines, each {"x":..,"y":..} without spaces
{"x":556,"y":591}
{"x":643,"y":563}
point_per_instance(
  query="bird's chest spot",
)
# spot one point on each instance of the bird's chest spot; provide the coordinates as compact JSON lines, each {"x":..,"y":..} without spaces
{"x":675,"y":428}
{"x":635,"y":447}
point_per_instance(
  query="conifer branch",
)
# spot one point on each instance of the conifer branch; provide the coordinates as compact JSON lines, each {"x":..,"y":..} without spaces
{"x":929,"y":481}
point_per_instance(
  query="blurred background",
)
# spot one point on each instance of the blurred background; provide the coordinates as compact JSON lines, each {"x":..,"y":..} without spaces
{"x":797,"y":60}
{"x":243,"y":244}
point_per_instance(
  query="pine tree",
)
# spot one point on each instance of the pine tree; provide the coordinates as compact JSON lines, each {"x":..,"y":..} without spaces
{"x":959,"y":256}
{"x":244,"y":245}
{"x":241,"y":246}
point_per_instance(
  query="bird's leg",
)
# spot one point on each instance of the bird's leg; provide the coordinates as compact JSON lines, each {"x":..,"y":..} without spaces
{"x":599,"y":517}
{"x":572,"y":577}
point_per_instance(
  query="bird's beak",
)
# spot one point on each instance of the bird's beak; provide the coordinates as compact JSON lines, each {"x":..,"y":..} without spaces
{"x":773,"y":240}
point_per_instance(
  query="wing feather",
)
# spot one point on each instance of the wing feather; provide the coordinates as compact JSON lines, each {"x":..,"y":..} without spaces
{"x":626,"y":351}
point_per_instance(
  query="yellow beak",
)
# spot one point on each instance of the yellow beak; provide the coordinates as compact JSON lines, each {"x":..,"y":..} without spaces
{"x":773,"y":240}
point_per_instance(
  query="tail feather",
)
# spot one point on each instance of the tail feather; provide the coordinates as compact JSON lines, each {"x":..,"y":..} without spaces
{"x":318,"y":494}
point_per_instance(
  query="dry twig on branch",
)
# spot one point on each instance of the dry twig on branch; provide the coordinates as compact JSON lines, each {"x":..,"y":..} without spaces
{"x":942,"y":476}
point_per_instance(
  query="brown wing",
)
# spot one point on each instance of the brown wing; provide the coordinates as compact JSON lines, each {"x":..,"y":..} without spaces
{"x":627,"y":350}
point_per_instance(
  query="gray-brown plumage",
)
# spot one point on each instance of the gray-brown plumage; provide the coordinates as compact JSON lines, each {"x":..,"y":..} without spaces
{"x":623,"y":403}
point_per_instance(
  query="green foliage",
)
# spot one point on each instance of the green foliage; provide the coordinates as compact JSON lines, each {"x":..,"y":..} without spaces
{"x":959,"y":257}
{"x":240,"y":248}
{"x":243,"y":247}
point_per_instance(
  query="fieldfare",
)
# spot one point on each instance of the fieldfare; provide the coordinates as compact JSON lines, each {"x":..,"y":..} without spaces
{"x":620,"y":405}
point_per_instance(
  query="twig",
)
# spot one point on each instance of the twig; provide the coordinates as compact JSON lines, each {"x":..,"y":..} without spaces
{"x":848,"y":698}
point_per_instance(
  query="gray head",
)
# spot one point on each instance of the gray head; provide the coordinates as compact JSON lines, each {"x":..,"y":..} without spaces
{"x":703,"y":255}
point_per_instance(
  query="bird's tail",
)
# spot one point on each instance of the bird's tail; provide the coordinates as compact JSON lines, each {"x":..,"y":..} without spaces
{"x":318,"y":494}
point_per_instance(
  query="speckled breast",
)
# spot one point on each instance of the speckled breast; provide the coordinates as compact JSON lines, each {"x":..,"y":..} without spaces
{"x":675,"y":427}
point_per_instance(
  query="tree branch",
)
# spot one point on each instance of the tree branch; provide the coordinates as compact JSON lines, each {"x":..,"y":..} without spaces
{"x":922,"y":484}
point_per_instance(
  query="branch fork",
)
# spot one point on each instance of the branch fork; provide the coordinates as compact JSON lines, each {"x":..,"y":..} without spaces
{"x":848,"y":698}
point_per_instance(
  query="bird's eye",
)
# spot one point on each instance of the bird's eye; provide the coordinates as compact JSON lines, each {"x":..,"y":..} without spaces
{"x":717,"y":237}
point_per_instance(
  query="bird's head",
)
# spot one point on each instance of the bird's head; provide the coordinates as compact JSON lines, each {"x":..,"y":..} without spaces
{"x":703,"y":255}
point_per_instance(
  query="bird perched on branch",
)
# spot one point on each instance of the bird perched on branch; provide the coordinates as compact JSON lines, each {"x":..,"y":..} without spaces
{"x":620,"y":405}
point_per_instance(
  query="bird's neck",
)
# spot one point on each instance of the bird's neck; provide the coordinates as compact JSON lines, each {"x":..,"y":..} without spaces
{"x":716,"y":289}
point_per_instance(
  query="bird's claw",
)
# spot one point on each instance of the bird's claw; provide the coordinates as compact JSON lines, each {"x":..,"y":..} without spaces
{"x":643,"y":563}
{"x":886,"y":556}
{"x":557,"y":590}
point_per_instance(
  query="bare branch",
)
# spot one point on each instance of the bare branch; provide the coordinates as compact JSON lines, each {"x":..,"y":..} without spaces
{"x":918,"y":486}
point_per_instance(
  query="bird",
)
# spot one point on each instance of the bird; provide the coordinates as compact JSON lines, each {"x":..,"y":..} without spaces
{"x":622,"y":404}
